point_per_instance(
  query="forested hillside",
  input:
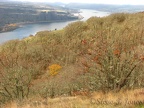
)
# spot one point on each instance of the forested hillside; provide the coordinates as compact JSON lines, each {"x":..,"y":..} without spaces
{"x":18,"y":12}
{"x":101,"y":54}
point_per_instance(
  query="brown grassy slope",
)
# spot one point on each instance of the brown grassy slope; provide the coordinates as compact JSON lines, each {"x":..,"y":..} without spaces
{"x":127,"y":99}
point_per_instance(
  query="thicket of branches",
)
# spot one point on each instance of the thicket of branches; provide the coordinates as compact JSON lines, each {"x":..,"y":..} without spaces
{"x":98,"y":54}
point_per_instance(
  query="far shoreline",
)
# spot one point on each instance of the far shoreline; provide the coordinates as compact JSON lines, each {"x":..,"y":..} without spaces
{"x":20,"y":24}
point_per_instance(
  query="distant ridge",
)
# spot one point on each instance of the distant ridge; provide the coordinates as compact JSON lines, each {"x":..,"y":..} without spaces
{"x":107,"y":7}
{"x":4,"y":0}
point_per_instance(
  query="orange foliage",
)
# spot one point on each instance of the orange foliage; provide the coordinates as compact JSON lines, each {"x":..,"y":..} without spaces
{"x":54,"y":69}
{"x":142,"y":57}
{"x":96,"y":58}
{"x":82,"y":93}
{"x":84,"y":42}
{"x":116,"y":52}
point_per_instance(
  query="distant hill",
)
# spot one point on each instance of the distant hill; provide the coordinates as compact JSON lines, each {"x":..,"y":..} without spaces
{"x":58,"y":3}
{"x":5,"y":0}
{"x":107,"y":7}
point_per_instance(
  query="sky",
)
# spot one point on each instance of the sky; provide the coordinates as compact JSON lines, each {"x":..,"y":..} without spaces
{"x":121,"y":2}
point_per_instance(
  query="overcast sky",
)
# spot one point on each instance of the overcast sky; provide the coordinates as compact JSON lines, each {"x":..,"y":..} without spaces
{"x":133,"y":2}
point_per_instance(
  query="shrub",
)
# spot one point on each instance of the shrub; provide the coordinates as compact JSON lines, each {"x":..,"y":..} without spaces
{"x":15,"y":84}
{"x":75,"y":29}
{"x":119,"y":17}
{"x":54,"y":69}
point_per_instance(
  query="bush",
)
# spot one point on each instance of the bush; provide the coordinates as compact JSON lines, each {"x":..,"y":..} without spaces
{"x":54,"y":69}
{"x":15,"y":84}
{"x":119,"y":17}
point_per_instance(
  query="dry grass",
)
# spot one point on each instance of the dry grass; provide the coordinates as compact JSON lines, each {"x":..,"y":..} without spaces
{"x":123,"y":99}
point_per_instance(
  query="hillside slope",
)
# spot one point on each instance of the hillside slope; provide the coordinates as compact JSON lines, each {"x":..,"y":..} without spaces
{"x":100,"y":54}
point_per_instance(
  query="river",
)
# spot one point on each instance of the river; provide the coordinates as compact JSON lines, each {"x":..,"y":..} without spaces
{"x":32,"y":29}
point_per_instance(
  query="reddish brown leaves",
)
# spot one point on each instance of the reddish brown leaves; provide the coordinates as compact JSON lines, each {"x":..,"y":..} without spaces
{"x":117,"y":52}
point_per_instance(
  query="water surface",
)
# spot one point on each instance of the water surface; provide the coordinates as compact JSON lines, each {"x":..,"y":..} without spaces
{"x":32,"y":29}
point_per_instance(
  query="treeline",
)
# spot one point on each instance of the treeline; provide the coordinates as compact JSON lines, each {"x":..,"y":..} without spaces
{"x":8,"y":17}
